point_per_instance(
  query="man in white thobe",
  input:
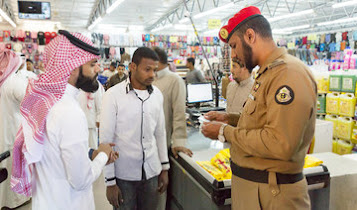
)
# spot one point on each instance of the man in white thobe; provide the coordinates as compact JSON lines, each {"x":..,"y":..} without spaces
{"x":12,"y":91}
{"x":52,"y":141}
{"x":91,"y":104}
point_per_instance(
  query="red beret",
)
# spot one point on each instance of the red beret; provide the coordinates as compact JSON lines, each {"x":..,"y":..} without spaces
{"x":236,"y":21}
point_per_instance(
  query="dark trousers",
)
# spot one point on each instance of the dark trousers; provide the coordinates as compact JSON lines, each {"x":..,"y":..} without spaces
{"x":139,"y":195}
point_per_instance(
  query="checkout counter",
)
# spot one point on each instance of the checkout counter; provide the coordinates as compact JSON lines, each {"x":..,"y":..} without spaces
{"x":191,"y":187}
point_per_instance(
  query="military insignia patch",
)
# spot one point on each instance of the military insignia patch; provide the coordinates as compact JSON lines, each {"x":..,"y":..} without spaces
{"x":256,"y":87}
{"x":284,"y":95}
{"x":224,"y":33}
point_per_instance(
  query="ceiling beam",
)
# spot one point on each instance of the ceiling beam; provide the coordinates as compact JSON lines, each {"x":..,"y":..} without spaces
{"x":99,"y":10}
{"x":6,"y":7}
{"x":193,"y":5}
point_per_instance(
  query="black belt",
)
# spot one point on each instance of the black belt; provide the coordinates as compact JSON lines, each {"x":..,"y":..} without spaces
{"x":263,"y":176}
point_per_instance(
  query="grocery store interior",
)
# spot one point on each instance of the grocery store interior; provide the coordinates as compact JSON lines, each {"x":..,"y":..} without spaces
{"x":322,"y":34}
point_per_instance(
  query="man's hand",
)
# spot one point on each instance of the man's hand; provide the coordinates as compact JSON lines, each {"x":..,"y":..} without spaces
{"x":176,"y":150}
{"x":217,"y":116}
{"x":107,"y":149}
{"x":114,"y":196}
{"x":113,"y":157}
{"x":163,"y":181}
{"x":211,"y":129}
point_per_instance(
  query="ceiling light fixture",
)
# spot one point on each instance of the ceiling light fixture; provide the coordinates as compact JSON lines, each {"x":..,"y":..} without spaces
{"x":344,"y":20}
{"x":94,"y":23}
{"x":290,"y":30}
{"x":291,"y":15}
{"x":344,"y":4}
{"x":214,"y":10}
{"x":7,"y":18}
{"x":113,"y":6}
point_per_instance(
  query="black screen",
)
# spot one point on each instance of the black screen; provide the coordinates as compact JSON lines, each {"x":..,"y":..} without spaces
{"x":30,"y":7}
{"x":34,"y":10}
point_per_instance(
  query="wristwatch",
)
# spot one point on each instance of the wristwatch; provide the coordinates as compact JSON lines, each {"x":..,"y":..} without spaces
{"x":221,"y":137}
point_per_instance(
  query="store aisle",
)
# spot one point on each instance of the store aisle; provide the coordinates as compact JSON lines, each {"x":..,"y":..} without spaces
{"x":100,"y":198}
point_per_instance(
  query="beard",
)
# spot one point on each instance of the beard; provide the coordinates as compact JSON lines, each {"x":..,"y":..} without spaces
{"x":87,"y":84}
{"x":248,"y":55}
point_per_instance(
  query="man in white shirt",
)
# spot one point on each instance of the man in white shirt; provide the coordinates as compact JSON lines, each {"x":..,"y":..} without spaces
{"x":132,"y":117}
{"x":12,"y":90}
{"x":239,"y":89}
{"x":91,"y":104}
{"x":111,"y":71}
{"x":173,"y":89}
{"x":52,"y":141}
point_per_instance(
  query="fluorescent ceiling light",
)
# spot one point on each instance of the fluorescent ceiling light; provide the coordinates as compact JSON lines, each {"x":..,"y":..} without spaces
{"x":113,"y":6}
{"x":344,"y":20}
{"x":291,"y":15}
{"x":290,"y":29}
{"x":214,"y":10}
{"x":344,"y":4}
{"x":184,"y":20}
{"x":7,"y":18}
{"x":95,"y":23}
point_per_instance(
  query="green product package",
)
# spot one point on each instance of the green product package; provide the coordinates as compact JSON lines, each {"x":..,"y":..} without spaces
{"x":335,"y":83}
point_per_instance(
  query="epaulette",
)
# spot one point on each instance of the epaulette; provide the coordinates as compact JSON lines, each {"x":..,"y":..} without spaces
{"x":276,"y":63}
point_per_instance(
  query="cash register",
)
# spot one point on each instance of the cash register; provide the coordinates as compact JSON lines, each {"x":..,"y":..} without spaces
{"x":199,"y":96}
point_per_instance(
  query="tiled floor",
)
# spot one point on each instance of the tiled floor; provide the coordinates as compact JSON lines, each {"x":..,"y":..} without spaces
{"x":100,"y":199}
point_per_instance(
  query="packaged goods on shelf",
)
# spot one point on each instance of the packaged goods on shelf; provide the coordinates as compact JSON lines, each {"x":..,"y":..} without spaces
{"x":344,"y":128}
{"x":322,"y":84}
{"x":332,"y":103}
{"x":344,"y":147}
{"x":334,"y":145}
{"x":334,"y":120}
{"x":354,"y":133}
{"x":321,"y":103}
{"x":335,"y":83}
{"x":348,"y":83}
{"x":347,"y":105}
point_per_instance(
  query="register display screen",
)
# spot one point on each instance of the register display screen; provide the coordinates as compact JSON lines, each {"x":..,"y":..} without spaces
{"x":199,"y":92}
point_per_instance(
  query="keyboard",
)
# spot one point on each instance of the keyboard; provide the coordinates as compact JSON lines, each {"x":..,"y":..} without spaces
{"x":206,"y":109}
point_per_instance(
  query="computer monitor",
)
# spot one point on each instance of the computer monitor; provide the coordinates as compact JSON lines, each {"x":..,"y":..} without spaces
{"x":199,"y":92}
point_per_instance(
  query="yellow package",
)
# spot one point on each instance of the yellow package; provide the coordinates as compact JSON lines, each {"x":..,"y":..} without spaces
{"x":322,"y":84}
{"x":344,"y":147}
{"x":334,"y":120}
{"x":213,"y":170}
{"x":344,"y":128}
{"x":226,"y":153}
{"x":222,"y":162}
{"x":311,"y":161}
{"x":354,"y":133}
{"x":334,"y":145}
{"x":347,"y":105}
{"x":332,"y":103}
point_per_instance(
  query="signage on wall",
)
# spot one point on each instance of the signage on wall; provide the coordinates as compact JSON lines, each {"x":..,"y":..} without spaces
{"x":214,"y":23}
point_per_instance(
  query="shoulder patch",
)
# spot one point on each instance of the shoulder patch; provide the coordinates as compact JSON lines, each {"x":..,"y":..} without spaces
{"x":284,"y":95}
{"x":276,"y":63}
